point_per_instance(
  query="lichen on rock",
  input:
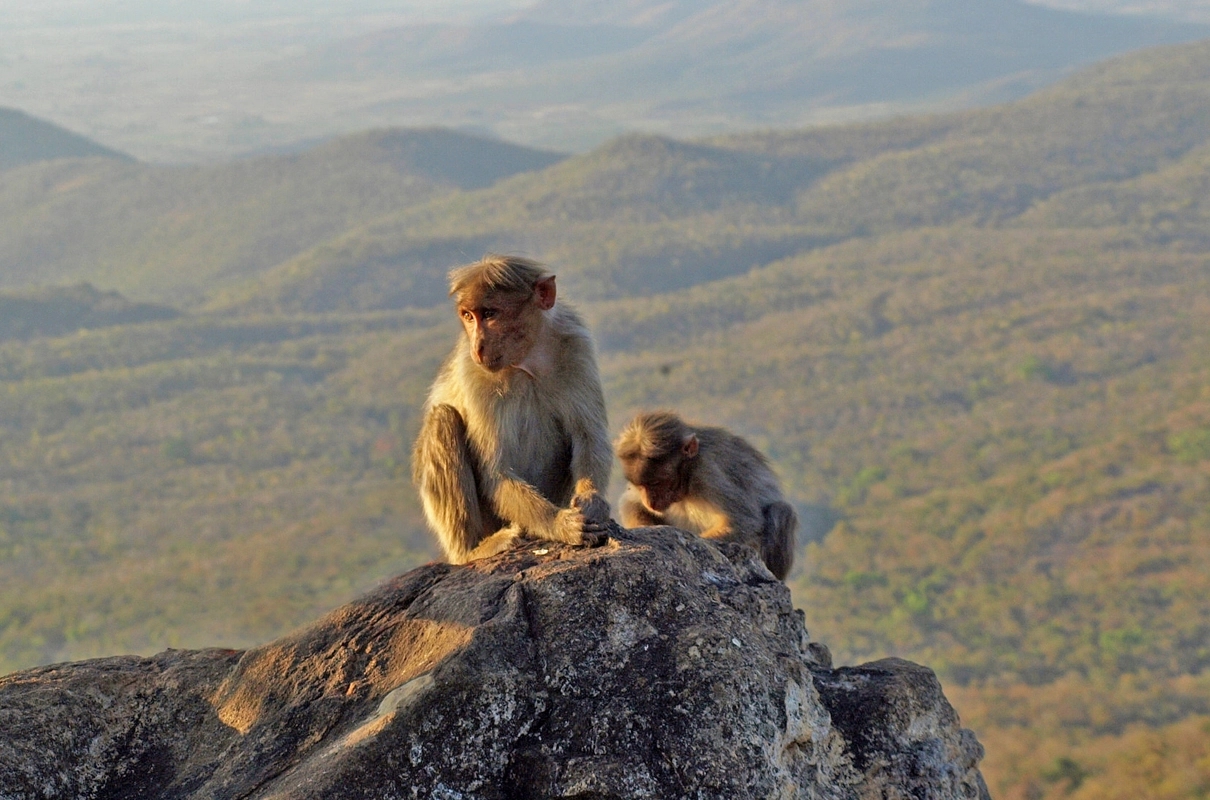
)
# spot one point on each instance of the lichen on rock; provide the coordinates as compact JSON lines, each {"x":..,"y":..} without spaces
{"x":657,"y":666}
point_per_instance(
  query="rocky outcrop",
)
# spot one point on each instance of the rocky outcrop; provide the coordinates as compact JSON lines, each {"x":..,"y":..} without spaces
{"x":656,"y":666}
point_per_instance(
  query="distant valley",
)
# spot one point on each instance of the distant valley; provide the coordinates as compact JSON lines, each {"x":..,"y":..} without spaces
{"x":710,"y":67}
{"x":180,"y":85}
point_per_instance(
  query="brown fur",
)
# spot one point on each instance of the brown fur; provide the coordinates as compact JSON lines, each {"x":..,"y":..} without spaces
{"x":706,"y":480}
{"x":514,"y":440}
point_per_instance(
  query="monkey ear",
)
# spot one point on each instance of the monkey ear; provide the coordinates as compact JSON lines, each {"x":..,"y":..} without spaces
{"x":545,"y":291}
{"x":689,"y":448}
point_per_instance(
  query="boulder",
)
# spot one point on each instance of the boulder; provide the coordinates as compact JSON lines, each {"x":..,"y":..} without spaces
{"x":656,"y":666}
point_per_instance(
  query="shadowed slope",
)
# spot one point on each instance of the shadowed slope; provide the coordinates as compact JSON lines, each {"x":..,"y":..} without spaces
{"x":25,"y":140}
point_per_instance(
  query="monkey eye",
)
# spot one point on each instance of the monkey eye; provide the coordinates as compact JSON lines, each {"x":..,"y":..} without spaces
{"x":488,"y":313}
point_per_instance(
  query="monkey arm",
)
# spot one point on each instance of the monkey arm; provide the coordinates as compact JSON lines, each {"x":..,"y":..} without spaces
{"x":589,"y":502}
{"x":591,"y":450}
{"x":441,"y":468}
{"x":591,"y":460}
{"x":522,"y":505}
{"x":592,"y":456}
{"x":585,"y":421}
{"x":519,"y":503}
{"x":581,"y":402}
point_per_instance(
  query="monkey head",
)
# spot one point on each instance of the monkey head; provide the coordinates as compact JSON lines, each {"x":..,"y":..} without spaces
{"x":658,"y":454}
{"x":503,"y":320}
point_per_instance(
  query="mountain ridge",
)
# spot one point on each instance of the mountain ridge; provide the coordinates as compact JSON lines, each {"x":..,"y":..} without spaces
{"x":175,"y":234}
{"x":789,"y":191}
{"x":659,"y":66}
{"x":25,"y":139}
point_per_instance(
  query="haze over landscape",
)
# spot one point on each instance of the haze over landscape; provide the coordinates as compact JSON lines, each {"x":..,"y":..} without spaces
{"x":181,"y":82}
{"x":972,"y":341}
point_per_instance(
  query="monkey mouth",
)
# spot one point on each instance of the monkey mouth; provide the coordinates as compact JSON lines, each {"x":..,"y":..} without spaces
{"x":659,"y":504}
{"x":491,"y":363}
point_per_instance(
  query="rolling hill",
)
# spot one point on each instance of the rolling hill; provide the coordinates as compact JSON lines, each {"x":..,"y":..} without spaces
{"x":174,"y":234}
{"x":370,"y":221}
{"x":26,"y":140}
{"x":644,"y":214}
{"x":62,"y":310}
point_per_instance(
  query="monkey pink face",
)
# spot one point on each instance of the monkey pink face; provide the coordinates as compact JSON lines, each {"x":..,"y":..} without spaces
{"x":502,"y":328}
{"x":501,"y":331}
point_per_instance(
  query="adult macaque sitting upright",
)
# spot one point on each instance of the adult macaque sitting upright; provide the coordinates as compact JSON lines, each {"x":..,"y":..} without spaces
{"x":706,"y":480}
{"x":514,"y":441}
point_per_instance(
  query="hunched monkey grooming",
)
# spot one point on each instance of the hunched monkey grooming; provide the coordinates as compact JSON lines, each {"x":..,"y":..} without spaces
{"x":706,"y":480}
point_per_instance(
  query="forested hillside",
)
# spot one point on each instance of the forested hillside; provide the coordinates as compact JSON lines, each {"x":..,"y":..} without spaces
{"x":974,"y":346}
{"x":176,"y":234}
{"x":644,"y":214}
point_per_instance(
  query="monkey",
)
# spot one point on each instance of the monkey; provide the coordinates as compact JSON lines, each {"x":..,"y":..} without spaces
{"x":706,"y":480}
{"x":514,"y":441}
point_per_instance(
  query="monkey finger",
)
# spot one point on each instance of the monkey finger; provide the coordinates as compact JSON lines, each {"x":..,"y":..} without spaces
{"x":599,"y":518}
{"x":588,"y":501}
{"x":593,"y":507}
{"x":595,"y":538}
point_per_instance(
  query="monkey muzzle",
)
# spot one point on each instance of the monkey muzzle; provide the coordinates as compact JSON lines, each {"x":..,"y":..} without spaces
{"x":492,"y":362}
{"x":657,"y":501}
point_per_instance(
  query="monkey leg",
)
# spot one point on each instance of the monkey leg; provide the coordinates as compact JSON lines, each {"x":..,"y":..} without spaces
{"x":445,"y":478}
{"x":777,"y":538}
{"x":504,"y":539}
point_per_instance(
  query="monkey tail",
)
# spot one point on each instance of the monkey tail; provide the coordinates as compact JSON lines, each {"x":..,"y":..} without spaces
{"x":777,"y":538}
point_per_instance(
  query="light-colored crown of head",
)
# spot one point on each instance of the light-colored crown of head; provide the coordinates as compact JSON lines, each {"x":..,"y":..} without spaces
{"x":496,"y":274}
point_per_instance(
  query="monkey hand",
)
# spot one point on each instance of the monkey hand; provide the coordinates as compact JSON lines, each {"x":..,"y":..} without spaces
{"x":591,"y":503}
{"x":573,"y":527}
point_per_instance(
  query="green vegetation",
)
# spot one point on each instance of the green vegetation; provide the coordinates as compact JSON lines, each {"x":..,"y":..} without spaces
{"x":178,"y":482}
{"x":975,"y":348}
{"x":178,"y":234}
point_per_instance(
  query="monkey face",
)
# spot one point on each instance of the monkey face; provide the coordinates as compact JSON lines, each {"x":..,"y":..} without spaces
{"x":657,"y":481}
{"x":502,"y":327}
{"x":500,"y":330}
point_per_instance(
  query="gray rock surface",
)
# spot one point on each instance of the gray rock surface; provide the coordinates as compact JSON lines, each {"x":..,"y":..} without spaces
{"x":656,"y":666}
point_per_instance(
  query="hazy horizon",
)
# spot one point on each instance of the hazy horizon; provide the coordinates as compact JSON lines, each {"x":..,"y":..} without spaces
{"x":115,"y":12}
{"x":177,"y":82}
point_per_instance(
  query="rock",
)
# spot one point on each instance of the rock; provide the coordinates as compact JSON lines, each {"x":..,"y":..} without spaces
{"x":653,"y":667}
